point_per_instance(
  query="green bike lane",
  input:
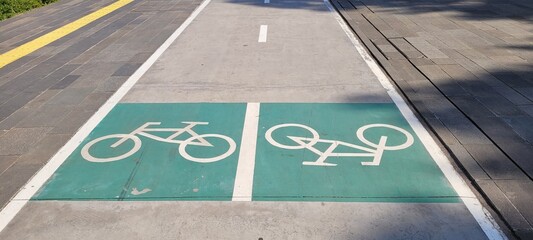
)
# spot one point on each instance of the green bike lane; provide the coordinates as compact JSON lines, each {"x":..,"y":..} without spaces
{"x":227,"y":136}
{"x":284,"y":169}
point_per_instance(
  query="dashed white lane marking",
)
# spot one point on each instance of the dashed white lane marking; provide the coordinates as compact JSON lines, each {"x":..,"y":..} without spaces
{"x":37,"y":181}
{"x":482,"y":216}
{"x":263,"y":33}
{"x":244,"y":178}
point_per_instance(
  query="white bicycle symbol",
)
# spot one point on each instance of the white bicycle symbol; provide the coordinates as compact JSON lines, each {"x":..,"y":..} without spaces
{"x":375,"y":151}
{"x":195,"y":139}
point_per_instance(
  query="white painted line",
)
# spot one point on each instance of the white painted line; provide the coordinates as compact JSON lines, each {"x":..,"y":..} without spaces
{"x":267,"y":1}
{"x":35,"y":183}
{"x":263,"y":33}
{"x":244,"y":178}
{"x":482,"y":216}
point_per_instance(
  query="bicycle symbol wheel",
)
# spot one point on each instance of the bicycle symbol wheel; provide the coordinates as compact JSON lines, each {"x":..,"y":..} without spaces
{"x":312,"y":141}
{"x":408,"y":142}
{"x":186,"y":155}
{"x":85,"y":151}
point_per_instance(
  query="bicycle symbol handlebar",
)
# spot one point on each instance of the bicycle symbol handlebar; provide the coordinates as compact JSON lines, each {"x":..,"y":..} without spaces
{"x":144,"y":130}
{"x":374,"y":150}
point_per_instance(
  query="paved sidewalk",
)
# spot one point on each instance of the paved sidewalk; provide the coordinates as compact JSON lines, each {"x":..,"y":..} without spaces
{"x":46,"y":96}
{"x":466,"y":66}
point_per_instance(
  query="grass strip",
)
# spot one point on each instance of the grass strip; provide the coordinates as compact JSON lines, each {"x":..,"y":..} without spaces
{"x":9,"y":8}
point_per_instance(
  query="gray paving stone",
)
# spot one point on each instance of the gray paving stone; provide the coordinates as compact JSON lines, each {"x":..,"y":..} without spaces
{"x":126,"y":70}
{"x":45,"y":116}
{"x":72,"y":122}
{"x":16,"y":72}
{"x":494,"y":162}
{"x":91,"y":78}
{"x":377,"y":22}
{"x":44,"y":150}
{"x":14,"y":178}
{"x":86,"y":43}
{"x":70,"y":96}
{"x":464,"y":130}
{"x":41,"y":99}
{"x":459,"y":73}
{"x":442,"y":108}
{"x":527,"y":109}
{"x":427,"y":49}
{"x":520,"y":193}
{"x":509,"y":141}
{"x":94,"y":101}
{"x":16,"y":103}
{"x":391,"y":33}
{"x":473,"y":54}
{"x":140,"y":57}
{"x":28,"y":79}
{"x":110,"y":84}
{"x":370,"y":31}
{"x":521,"y":125}
{"x":406,"y":70}
{"x":16,"y":65}
{"x":65,"y":82}
{"x":443,"y":81}
{"x":18,"y":141}
{"x":48,"y":81}
{"x":421,"y":61}
{"x":425,"y":89}
{"x":466,"y":160}
{"x":471,"y":106}
{"x":503,"y":205}
{"x":506,"y":91}
{"x":420,"y":106}
{"x":435,"y":42}
{"x":526,"y":91}
{"x":452,"y":53}
{"x":14,"y":118}
{"x":524,"y":233}
{"x":511,"y":79}
{"x":443,"y":61}
{"x":400,"y":27}
{"x":100,"y":46}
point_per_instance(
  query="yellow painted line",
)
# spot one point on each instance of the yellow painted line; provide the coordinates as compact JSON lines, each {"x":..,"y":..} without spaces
{"x":27,"y":48}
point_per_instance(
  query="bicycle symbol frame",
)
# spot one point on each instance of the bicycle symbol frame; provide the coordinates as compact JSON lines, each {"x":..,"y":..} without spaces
{"x":376,"y":149}
{"x":144,"y":130}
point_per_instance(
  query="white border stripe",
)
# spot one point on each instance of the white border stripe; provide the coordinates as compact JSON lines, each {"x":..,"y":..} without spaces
{"x":26,"y":192}
{"x":244,"y":178}
{"x":482,"y":216}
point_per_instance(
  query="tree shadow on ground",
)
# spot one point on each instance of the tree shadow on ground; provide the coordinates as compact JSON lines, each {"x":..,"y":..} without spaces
{"x":474,"y":10}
